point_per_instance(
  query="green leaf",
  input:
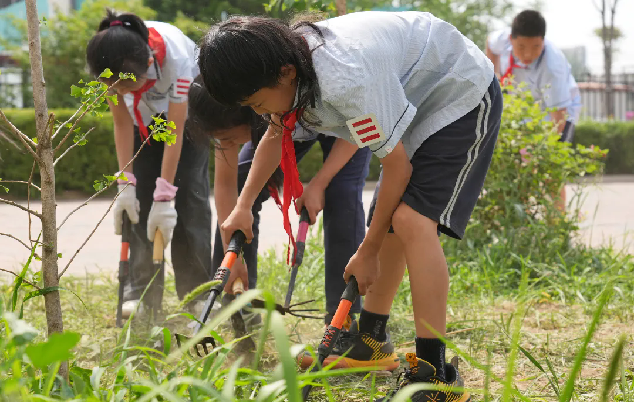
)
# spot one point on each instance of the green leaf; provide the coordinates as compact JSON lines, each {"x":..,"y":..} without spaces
{"x":21,"y":331}
{"x":59,"y":255}
{"x":106,"y":73}
{"x":76,"y":92}
{"x":34,"y":139}
{"x":113,"y":99}
{"x":56,"y":349}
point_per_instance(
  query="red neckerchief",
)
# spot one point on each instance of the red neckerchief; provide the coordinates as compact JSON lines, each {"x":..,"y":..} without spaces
{"x":157,"y":44}
{"x":509,"y":71}
{"x":292,"y":185}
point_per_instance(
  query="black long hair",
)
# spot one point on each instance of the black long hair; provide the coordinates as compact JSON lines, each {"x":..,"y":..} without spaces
{"x":206,"y":116}
{"x":121,"y":44}
{"x":241,"y":55}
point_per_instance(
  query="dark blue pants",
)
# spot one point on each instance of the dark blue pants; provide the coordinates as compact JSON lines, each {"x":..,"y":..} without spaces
{"x":191,"y":241}
{"x":344,"y":217}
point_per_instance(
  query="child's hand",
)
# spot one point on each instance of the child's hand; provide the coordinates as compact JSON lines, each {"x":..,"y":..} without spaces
{"x":313,"y":198}
{"x":239,"y":270}
{"x":364,"y":265}
{"x":239,"y":219}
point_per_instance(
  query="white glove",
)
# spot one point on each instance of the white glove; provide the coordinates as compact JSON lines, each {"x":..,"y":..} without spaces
{"x":163,"y":217}
{"x":126,"y":201}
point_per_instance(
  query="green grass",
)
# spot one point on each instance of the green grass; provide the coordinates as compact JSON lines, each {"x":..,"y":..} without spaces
{"x":520,"y":325}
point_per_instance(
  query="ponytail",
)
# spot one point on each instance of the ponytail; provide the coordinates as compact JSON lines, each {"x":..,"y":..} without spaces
{"x":121,"y":44}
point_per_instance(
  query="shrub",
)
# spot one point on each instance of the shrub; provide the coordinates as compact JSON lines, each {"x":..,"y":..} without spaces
{"x":516,"y":218}
{"x":616,"y":136}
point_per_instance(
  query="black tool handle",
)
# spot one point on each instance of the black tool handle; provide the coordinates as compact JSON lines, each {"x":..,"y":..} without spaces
{"x":237,"y":242}
{"x":126,"y":226}
{"x":222,"y":274}
{"x":304,"y":216}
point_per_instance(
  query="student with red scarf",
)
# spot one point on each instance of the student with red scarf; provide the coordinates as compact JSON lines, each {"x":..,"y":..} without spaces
{"x":169,"y":185}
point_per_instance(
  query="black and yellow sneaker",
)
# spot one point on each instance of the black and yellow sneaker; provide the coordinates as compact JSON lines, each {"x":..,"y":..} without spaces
{"x":422,"y":372}
{"x":362,"y":351}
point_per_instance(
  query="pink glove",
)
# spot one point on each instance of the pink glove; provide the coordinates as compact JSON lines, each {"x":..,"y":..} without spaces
{"x":164,"y":190}
{"x":129,"y":176}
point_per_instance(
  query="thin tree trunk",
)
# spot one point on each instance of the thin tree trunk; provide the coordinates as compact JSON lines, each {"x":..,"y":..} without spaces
{"x":341,"y":7}
{"x":608,"y":70}
{"x":45,"y":152}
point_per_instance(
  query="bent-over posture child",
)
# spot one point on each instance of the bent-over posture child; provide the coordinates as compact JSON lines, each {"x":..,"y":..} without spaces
{"x":522,"y":52}
{"x":424,"y":99}
{"x":337,"y":188}
{"x":169,"y":185}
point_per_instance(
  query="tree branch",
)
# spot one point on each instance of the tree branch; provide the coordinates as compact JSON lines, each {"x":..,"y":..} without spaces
{"x":18,"y":240}
{"x":93,"y":231}
{"x":105,"y":188}
{"x":73,"y":146}
{"x":23,"y":182}
{"x":61,"y":126}
{"x":89,"y":107}
{"x":23,"y":280}
{"x":24,"y":139}
{"x":21,"y":207}
{"x":10,"y":141}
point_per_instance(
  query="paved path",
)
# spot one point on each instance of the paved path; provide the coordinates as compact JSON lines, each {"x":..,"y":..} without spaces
{"x":609,"y":211}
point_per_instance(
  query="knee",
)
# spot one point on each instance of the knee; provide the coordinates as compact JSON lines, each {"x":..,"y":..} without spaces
{"x":409,"y":224}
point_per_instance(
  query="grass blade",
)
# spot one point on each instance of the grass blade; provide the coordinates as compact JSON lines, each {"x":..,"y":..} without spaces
{"x":615,"y":363}
{"x":19,"y":278}
{"x":288,"y":363}
{"x":566,"y":396}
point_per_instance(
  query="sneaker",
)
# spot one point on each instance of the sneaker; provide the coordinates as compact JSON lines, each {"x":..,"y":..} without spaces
{"x":362,"y":351}
{"x":129,"y":306}
{"x":422,"y":372}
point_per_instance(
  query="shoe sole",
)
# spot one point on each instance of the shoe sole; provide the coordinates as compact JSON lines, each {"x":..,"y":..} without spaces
{"x":387,"y":364}
{"x":466,"y":397}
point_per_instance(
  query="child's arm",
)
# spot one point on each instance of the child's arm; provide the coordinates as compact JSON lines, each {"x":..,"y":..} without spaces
{"x":226,"y":197}
{"x":225,"y":182}
{"x":495,"y":59}
{"x":397,"y":170}
{"x":313,"y":196}
{"x":267,"y":158}
{"x":559,"y":119}
{"x":177,"y":113}
{"x":123,"y":132}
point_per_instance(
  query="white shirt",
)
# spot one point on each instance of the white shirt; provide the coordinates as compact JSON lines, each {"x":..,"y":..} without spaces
{"x":173,"y":78}
{"x":415,"y":72}
{"x":549,"y":78}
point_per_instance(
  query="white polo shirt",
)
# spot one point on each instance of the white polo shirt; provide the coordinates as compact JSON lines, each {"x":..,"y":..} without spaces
{"x":396,"y":66}
{"x":549,"y":78}
{"x":173,"y":79}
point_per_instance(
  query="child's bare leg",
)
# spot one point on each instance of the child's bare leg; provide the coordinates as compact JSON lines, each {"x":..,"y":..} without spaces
{"x":429,"y":281}
{"x":380,"y":296}
{"x":560,"y":201}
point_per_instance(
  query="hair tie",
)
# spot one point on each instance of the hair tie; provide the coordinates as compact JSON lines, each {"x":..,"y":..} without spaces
{"x":115,"y":23}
